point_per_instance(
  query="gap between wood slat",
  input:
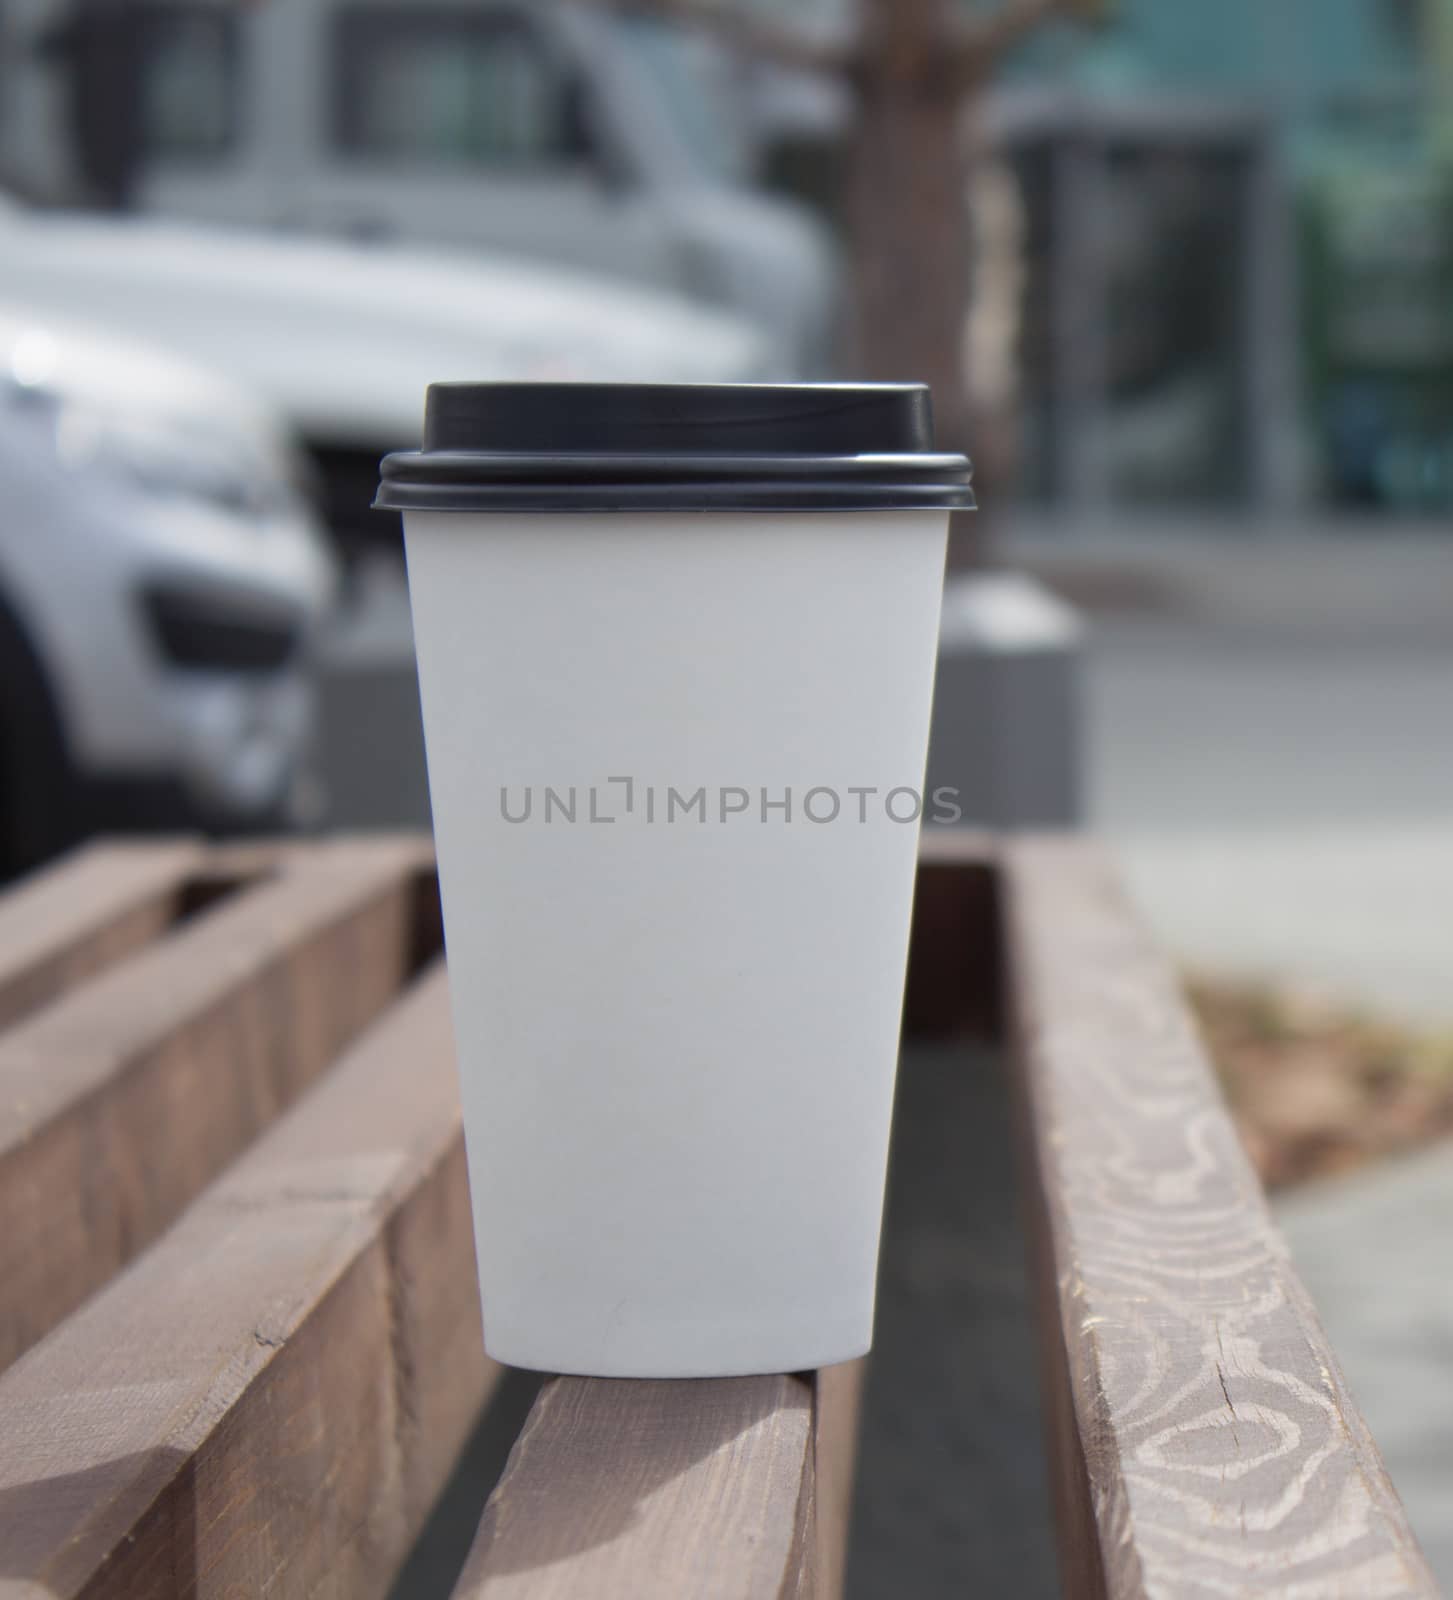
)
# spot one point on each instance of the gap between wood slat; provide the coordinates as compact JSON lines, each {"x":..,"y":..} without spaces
{"x":87,"y":913}
{"x":118,"y":1103}
{"x":955,"y":976}
{"x":271,"y":1397}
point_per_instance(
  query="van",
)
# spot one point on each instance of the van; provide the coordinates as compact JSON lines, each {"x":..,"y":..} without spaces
{"x":559,"y":132}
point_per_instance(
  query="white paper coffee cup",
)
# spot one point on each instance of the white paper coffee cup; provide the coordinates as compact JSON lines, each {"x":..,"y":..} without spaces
{"x":676,"y":654}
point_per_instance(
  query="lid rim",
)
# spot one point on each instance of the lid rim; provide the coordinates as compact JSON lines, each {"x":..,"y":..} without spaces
{"x":608,"y":447}
{"x":433,"y":466}
{"x":805,"y":495}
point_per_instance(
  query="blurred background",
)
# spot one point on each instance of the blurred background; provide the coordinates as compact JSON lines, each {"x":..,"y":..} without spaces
{"x":1181,"y":275}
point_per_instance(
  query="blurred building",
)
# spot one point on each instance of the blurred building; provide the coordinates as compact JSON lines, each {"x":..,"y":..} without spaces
{"x":1238,"y":235}
{"x":1310,"y":296}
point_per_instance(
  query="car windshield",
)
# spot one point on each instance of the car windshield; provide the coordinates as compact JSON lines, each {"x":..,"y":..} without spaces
{"x":689,"y":74}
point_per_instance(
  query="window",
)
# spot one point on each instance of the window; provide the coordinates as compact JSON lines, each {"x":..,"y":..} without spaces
{"x":188,"y":81}
{"x":1403,"y":20}
{"x":451,"y":88}
{"x":689,"y":82}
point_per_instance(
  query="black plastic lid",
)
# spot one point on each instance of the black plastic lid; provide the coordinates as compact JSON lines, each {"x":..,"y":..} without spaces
{"x":676,"y":447}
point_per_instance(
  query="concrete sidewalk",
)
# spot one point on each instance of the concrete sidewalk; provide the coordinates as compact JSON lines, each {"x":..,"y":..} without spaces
{"x":1271,"y":746}
{"x":1377,"y":1253}
{"x":1315,"y":578}
{"x":1360,"y":912}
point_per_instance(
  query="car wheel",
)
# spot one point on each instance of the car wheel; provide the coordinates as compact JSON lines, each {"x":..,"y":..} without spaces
{"x":39,"y":810}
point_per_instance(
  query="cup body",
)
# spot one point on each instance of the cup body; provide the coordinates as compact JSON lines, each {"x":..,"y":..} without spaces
{"x":675,"y":763}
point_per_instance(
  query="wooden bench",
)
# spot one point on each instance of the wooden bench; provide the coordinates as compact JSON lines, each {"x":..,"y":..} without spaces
{"x":238,"y":1327}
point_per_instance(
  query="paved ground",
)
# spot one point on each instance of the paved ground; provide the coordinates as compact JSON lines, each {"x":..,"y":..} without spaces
{"x":1375,"y":1251}
{"x":1200,"y":727}
{"x":1360,"y":911}
{"x":1284,"y":807}
{"x":1271,"y":750}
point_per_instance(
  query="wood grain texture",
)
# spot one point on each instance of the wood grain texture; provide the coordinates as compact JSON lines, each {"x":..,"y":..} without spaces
{"x":119,"y":1102}
{"x":1222,"y":1454}
{"x":88,"y":912}
{"x":837,"y":1401}
{"x":270,"y":1398}
{"x":701,"y":1489}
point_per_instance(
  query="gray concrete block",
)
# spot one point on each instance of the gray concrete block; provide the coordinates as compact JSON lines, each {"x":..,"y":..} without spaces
{"x":1007,"y":722}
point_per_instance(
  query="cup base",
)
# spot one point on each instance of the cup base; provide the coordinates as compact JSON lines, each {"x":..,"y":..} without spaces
{"x":532,"y":1358}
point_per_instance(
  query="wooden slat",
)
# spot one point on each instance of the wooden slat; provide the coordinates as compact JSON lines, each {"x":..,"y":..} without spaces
{"x":1206,"y":1441}
{"x":269,"y":1399}
{"x":823,"y":1571}
{"x":89,"y":912}
{"x":673,"y":1490}
{"x":118,"y":1103}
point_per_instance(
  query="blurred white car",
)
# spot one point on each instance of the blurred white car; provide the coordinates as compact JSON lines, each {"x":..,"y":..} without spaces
{"x":343,"y":339}
{"x":562,"y":133}
{"x":162,"y":578}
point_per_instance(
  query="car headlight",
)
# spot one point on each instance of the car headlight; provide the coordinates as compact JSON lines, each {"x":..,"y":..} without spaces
{"x":161,"y":461}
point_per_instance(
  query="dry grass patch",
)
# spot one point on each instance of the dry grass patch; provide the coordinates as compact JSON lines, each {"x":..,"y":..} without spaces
{"x":1317,"y":1088}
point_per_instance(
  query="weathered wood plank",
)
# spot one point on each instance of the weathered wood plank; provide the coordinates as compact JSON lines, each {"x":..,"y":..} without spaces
{"x":1208,"y":1443}
{"x":119,"y":1102}
{"x":692,"y":1490}
{"x":269,"y":1399}
{"x":822,"y":1568}
{"x":90,"y":911}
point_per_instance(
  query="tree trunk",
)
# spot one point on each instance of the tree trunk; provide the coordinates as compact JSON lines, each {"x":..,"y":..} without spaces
{"x":907,"y":213}
{"x":910,"y":247}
